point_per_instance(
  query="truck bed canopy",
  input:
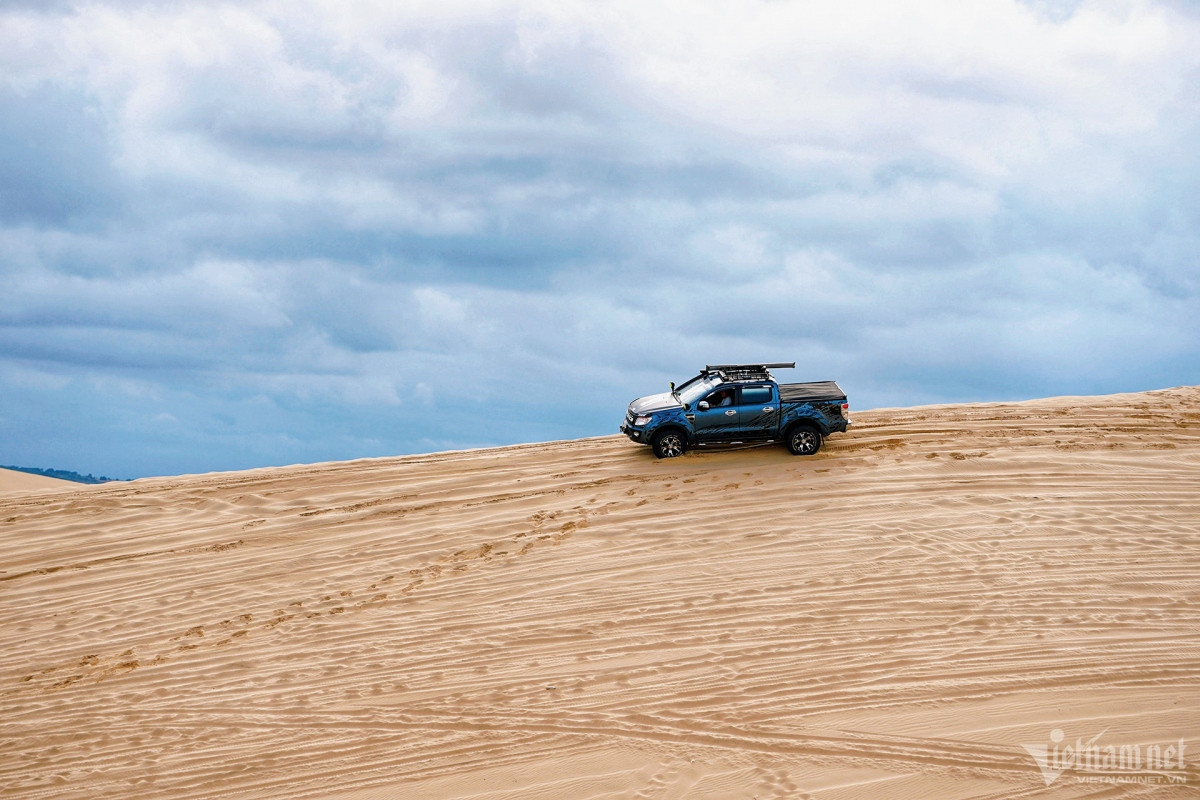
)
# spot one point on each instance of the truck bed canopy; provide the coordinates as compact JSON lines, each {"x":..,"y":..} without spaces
{"x":814,"y":390}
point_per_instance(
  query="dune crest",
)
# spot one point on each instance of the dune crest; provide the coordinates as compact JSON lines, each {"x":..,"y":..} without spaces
{"x":13,"y":482}
{"x":905,"y":614}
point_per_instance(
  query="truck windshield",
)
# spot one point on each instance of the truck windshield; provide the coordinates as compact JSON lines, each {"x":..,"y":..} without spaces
{"x":694,"y":390}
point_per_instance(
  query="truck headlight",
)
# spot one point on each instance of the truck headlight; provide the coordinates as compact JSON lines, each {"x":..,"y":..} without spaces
{"x":640,"y":421}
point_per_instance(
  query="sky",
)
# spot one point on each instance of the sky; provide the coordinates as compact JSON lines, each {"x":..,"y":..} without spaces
{"x":262,"y":233}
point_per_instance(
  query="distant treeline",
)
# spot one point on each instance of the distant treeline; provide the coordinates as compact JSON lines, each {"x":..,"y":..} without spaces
{"x":62,"y":474}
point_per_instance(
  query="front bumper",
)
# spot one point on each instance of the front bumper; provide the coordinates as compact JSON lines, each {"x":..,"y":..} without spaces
{"x":636,"y":434}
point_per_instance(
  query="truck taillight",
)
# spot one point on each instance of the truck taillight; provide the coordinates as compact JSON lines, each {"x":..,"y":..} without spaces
{"x":845,"y":409}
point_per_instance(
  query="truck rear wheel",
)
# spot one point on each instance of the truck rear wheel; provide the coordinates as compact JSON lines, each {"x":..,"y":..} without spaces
{"x":803,"y":440}
{"x":669,"y":444}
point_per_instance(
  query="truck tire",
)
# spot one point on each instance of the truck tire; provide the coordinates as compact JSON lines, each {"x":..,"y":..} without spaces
{"x":803,"y":440}
{"x":670,"y":443}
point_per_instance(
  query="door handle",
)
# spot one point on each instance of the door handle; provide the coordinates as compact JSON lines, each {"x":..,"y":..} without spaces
{"x":730,"y":413}
{"x":768,"y":409}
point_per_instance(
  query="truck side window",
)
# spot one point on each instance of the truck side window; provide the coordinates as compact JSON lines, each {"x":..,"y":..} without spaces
{"x":756,"y":395}
{"x":721,"y":398}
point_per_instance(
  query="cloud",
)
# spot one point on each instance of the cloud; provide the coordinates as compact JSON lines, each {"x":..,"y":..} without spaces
{"x":55,"y":166}
{"x":235,"y":234}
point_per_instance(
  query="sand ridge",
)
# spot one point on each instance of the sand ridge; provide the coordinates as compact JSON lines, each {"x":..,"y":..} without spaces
{"x":14,"y":482}
{"x":896,"y":616}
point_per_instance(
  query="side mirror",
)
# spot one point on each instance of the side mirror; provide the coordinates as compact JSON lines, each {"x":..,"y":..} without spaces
{"x":703,"y":405}
{"x":672,"y":386}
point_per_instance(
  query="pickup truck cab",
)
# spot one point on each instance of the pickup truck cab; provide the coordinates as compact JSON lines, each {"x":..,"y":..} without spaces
{"x":738,"y":403}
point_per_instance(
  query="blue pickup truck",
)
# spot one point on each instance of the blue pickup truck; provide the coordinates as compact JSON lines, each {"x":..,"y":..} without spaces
{"x":730,"y":403}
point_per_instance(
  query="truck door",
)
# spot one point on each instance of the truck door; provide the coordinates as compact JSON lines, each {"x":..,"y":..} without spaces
{"x":718,"y":422}
{"x":758,"y":412}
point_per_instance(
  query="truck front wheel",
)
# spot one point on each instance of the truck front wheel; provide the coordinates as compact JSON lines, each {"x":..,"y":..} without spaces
{"x":803,"y":440}
{"x":669,"y":443}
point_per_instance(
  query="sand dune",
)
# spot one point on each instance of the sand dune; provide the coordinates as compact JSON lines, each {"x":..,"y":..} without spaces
{"x":897,"y":616}
{"x":12,"y":482}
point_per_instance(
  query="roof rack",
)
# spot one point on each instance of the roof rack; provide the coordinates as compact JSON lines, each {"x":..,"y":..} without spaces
{"x":746,"y":372}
